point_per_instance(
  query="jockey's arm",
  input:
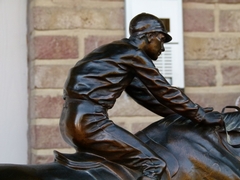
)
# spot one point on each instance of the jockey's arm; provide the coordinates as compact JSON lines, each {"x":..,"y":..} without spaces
{"x":138,"y":91}
{"x":170,"y":96}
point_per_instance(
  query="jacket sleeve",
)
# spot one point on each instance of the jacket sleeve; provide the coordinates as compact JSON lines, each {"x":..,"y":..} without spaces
{"x":138,"y":91}
{"x":166,"y":94}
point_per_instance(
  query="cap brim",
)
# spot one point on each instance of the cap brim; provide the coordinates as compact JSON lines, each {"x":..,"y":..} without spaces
{"x":168,"y":38}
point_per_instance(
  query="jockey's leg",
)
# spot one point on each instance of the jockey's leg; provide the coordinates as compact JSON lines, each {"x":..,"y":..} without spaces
{"x":90,"y":129}
{"x":118,"y":145}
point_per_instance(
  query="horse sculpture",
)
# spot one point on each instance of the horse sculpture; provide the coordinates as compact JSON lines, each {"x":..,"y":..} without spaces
{"x":191,"y":151}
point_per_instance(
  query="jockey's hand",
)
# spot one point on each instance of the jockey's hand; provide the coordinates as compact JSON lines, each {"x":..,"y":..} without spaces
{"x":213,"y":118}
{"x":208,"y":109}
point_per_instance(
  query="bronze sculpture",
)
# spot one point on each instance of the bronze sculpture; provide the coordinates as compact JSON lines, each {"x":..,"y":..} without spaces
{"x":103,"y":149}
{"x":190,"y":150}
{"x":97,"y":80}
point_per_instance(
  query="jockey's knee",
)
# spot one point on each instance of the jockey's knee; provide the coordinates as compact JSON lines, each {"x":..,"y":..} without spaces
{"x":154,"y":168}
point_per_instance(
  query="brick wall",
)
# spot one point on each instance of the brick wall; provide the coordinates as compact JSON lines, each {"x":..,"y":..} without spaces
{"x":61,"y":32}
{"x":212,"y":58}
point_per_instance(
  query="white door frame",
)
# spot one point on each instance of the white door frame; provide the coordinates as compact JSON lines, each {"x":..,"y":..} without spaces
{"x":13,"y":81}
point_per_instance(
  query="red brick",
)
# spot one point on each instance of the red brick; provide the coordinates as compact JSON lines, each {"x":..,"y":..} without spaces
{"x":202,"y":1}
{"x":214,"y":1}
{"x":52,"y":18}
{"x":92,"y":42}
{"x":125,"y":106}
{"x":229,"y":1}
{"x":46,"y":106}
{"x":200,"y":75}
{"x":41,"y":159}
{"x":139,"y":126}
{"x":216,"y":100}
{"x":50,"y":76}
{"x":199,"y":48}
{"x":231,"y":74}
{"x":229,"y":21}
{"x":55,"y":47}
{"x":200,"y":20}
{"x":47,"y":137}
{"x":121,"y":124}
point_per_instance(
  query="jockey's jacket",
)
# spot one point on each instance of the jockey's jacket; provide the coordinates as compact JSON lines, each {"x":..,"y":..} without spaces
{"x":106,"y":72}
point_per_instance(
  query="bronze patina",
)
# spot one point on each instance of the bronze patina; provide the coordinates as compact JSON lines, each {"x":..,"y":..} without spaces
{"x":188,"y":143}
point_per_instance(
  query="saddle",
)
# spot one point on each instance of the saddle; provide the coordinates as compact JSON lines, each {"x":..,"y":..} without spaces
{"x":166,"y":155}
{"x":96,"y":166}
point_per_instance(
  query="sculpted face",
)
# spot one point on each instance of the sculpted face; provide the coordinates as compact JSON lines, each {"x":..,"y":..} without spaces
{"x":155,"y":45}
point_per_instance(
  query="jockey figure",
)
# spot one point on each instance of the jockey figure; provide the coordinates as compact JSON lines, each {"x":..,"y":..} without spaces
{"x":96,"y":81}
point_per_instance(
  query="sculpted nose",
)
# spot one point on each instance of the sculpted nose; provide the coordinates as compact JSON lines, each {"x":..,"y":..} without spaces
{"x":162,"y":48}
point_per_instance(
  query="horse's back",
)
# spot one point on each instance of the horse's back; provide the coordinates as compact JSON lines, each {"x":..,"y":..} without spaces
{"x":200,"y":151}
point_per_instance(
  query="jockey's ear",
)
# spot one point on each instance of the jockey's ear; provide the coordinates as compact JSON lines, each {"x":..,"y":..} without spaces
{"x":208,"y":109}
{"x":151,"y":36}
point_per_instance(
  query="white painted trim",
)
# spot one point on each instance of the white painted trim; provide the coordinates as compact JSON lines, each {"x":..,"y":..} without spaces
{"x":13,"y":81}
